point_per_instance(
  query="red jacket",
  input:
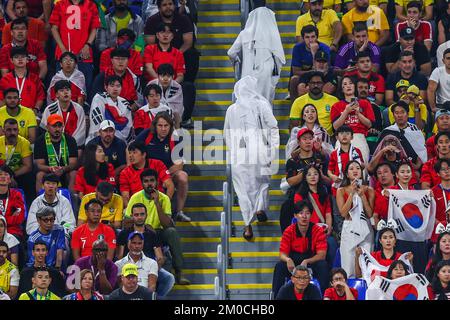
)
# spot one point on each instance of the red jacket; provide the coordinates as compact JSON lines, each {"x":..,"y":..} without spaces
{"x":15,"y":212}
{"x":134,"y":62}
{"x":82,"y":186}
{"x":292,"y":240}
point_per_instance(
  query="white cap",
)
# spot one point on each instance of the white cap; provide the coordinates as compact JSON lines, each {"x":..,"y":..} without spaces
{"x":107,"y":124}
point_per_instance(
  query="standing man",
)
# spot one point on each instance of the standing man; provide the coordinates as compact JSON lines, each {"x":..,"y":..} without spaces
{"x":251,"y":133}
{"x":438,"y":91}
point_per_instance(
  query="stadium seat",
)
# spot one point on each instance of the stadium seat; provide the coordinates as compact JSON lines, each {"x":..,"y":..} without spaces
{"x":24,"y":202}
{"x":360,"y":285}
{"x":337,"y":259}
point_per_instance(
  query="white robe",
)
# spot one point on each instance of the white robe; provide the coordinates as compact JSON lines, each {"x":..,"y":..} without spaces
{"x":251,"y":134}
{"x":262,"y":50}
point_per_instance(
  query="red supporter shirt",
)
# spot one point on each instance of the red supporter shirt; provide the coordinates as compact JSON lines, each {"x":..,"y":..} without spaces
{"x":14,"y":203}
{"x":381,"y":204}
{"x":376,"y":82}
{"x":428,"y":174}
{"x":74,"y":23}
{"x":36,"y":31}
{"x":134,"y":62}
{"x":430,"y":144}
{"x":76,"y":92}
{"x":298,"y":295}
{"x":33,"y":90}
{"x":70,"y":120}
{"x":422,"y":33}
{"x":352,"y":119}
{"x":142,"y":120}
{"x":381,"y":259}
{"x":324,"y":208}
{"x":333,"y":164}
{"x":130,"y":180}
{"x":292,"y":240}
{"x":128,"y":89}
{"x":153,"y":54}
{"x":35,"y":55}
{"x":332,"y":294}
{"x":82,"y":186}
{"x":441,"y":216}
{"x":83,"y":238}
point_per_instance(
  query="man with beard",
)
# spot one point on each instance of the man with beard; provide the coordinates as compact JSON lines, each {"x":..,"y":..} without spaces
{"x":9,"y":273}
{"x":326,"y":21}
{"x":56,"y":152}
{"x":374,"y":18}
{"x":119,"y":17}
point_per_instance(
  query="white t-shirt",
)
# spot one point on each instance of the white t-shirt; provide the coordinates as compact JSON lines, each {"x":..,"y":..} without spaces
{"x":440,"y":52}
{"x":442,"y":78}
{"x":146,"y":266}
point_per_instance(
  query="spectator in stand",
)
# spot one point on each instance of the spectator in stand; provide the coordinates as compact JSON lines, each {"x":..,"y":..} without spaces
{"x":345,"y":58}
{"x":95,"y":169}
{"x":438,"y":91}
{"x":300,"y":287}
{"x":11,"y":203}
{"x":144,"y":117}
{"x":339,"y":289}
{"x":25,"y":117}
{"x":36,"y":27}
{"x":64,"y":215}
{"x":326,"y":21}
{"x":84,"y":236}
{"x":114,"y":148}
{"x":443,"y":29}
{"x":152,"y":246}
{"x":418,"y":113}
{"x":86,"y":291}
{"x":9,"y":274}
{"x":40,"y":252}
{"x":303,"y":243}
{"x":101,"y":264}
{"x":441,"y":281}
{"x":423,"y":31}
{"x":441,"y":193}
{"x":72,"y":113}
{"x":62,"y":162}
{"x":130,"y":289}
{"x":429,"y":177}
{"x":382,"y":4}
{"x":407,"y":65}
{"x":407,"y":42}
{"x":298,"y":86}
{"x":441,"y":252}
{"x":364,"y":69}
{"x":50,"y":233}
{"x":374,"y":17}
{"x":401,"y":9}
{"x":125,"y":40}
{"x":385,"y":176}
{"x":35,"y":8}
{"x":129,"y":81}
{"x":442,"y":122}
{"x":160,"y":145}
{"x":129,"y":181}
{"x":76,"y":33}
{"x":159,"y":213}
{"x":397,"y":269}
{"x":120,"y":17}
{"x":10,"y":240}
{"x":112,"y":210}
{"x":69,"y":72}
{"x":36,"y":58}
{"x":41,"y":281}
{"x":355,"y":113}
{"x":31,"y":90}
{"x":321,"y":100}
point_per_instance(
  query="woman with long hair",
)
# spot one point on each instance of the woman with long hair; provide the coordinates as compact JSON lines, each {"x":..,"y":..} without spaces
{"x":441,"y":252}
{"x":86,"y":291}
{"x":397,"y":269}
{"x":441,"y":281}
{"x":95,"y":169}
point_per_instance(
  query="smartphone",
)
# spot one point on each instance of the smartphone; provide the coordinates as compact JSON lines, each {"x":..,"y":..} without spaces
{"x":354,"y":99}
{"x":359,"y":182}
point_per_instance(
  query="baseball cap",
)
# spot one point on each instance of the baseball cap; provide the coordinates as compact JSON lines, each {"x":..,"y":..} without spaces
{"x":413,"y":89}
{"x":321,"y":56}
{"x":407,"y":33}
{"x":302,"y":131}
{"x":441,"y":112}
{"x":130,"y":269}
{"x":135,"y":233}
{"x":107,"y":124}
{"x":402,"y":83}
{"x":54,"y":119}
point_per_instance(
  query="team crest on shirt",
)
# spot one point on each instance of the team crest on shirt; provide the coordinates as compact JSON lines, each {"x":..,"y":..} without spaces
{"x":166,"y":148}
{"x":327,"y":108}
{"x":111,"y":210}
{"x":22,"y":123}
{"x":114,"y":156}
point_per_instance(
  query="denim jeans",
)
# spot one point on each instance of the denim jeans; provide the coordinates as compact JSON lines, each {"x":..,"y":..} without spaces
{"x":166,"y":280}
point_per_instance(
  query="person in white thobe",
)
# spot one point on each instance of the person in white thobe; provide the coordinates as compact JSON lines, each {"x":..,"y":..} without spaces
{"x":252,"y":137}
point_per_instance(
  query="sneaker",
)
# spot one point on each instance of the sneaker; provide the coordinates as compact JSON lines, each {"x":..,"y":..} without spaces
{"x":288,"y":97}
{"x":187,"y":124}
{"x":182,"y":217}
{"x":179,"y":279}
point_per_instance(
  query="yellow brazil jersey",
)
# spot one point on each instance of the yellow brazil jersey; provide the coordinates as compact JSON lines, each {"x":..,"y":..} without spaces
{"x":371,"y":2}
{"x":13,"y":155}
{"x":34,"y":295}
{"x":152,"y":214}
{"x":323,"y":106}
{"x":112,"y":211}
{"x":5,"y":275}
{"x":374,"y":17}
{"x":25,"y":118}
{"x":328,"y":4}
{"x":122,"y":23}
{"x":325,"y":25}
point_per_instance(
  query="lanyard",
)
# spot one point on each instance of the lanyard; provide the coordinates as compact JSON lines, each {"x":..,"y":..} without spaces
{"x":444,"y":196}
{"x":57,"y":155}
{"x":8,"y":155}
{"x":46,"y":297}
{"x":67,"y":114}
{"x":20,"y":88}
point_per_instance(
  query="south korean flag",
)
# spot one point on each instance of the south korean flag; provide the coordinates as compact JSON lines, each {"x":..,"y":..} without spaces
{"x":359,"y":228}
{"x":410,"y":287}
{"x":414,"y":212}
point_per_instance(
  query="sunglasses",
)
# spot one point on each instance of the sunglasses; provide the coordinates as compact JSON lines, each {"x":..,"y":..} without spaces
{"x":47,"y":219}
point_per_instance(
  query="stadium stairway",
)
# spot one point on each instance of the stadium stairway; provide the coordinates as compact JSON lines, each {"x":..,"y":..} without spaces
{"x":251,"y":265}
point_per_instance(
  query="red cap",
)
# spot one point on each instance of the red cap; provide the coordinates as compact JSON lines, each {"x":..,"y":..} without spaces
{"x":55,"y":118}
{"x":302,"y":131}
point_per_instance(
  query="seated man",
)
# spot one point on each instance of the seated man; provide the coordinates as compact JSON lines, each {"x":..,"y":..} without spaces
{"x":50,"y":198}
{"x":36,"y":59}
{"x":159,"y":213}
{"x":112,"y":205}
{"x":426,"y":9}
{"x":56,"y":152}
{"x":41,"y":281}
{"x":9,"y":273}
{"x":438,"y":91}
{"x":407,"y":42}
{"x":302,"y":243}
{"x":25,"y":117}
{"x":430,"y":177}
{"x":69,"y":72}
{"x":130,"y":289}
{"x":300,"y":286}
{"x":50,"y":233}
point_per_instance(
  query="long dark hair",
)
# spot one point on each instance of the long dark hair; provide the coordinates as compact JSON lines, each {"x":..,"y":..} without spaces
{"x":302,"y":121}
{"x":436,"y":284}
{"x":304,"y":189}
{"x":393,"y":265}
{"x":346,"y":181}
{"x":437,"y":256}
{"x":90,"y":165}
{"x":340,"y":92}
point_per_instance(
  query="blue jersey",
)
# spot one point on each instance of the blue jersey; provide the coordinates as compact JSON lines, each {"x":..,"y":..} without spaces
{"x":302,"y":58}
{"x":55,"y":240}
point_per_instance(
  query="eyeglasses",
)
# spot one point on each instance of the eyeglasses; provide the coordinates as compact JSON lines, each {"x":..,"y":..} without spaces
{"x":47,"y":219}
{"x":338,"y":279}
{"x":304,"y":278}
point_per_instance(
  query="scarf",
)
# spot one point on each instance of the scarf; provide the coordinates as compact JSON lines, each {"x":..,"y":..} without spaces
{"x":53,"y":158}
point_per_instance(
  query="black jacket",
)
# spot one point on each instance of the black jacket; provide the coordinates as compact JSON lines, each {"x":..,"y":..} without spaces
{"x":287,"y":292}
